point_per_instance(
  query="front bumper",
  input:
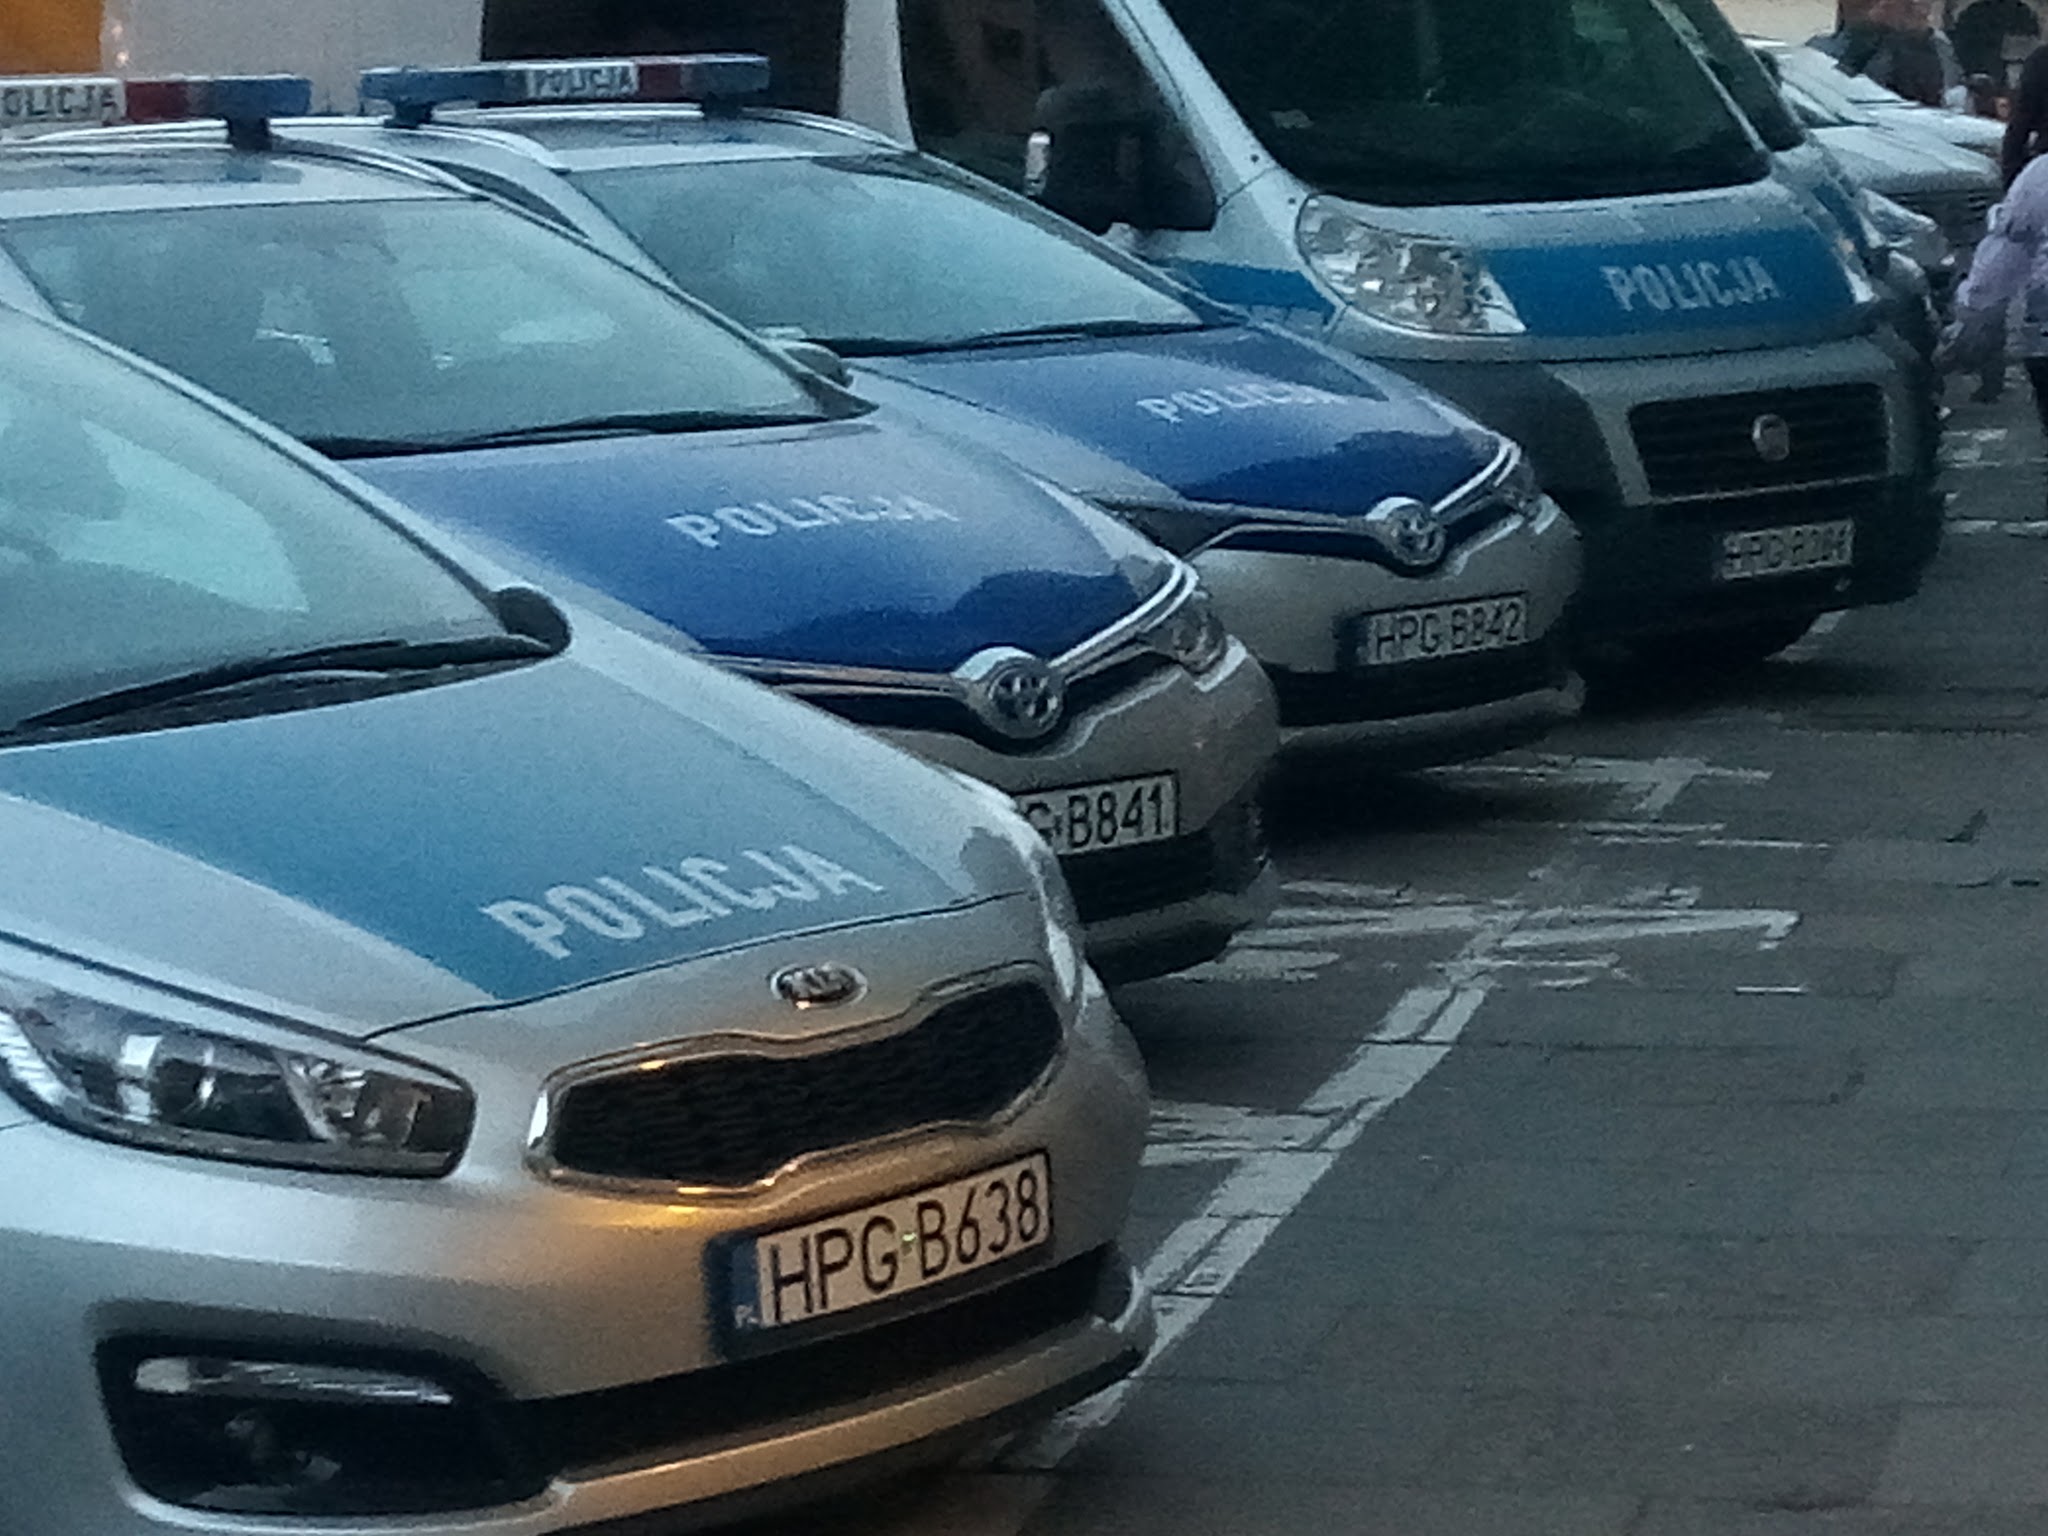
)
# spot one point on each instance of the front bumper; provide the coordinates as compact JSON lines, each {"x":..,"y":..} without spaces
{"x":1157,"y":907}
{"x":585,"y":1316}
{"x":1649,"y":554}
{"x":1298,"y":613}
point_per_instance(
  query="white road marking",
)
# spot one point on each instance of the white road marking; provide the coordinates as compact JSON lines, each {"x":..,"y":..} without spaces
{"x":2029,"y":528}
{"x":1277,"y":1158}
{"x":1644,"y":789}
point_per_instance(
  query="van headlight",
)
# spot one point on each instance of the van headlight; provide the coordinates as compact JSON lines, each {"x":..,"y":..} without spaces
{"x":1418,"y":284}
{"x":1191,"y":634}
{"x":256,"y":1095}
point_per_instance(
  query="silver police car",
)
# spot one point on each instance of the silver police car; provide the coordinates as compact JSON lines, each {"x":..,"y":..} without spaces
{"x":645,"y":456}
{"x":465,"y":1069}
{"x":1392,"y":563}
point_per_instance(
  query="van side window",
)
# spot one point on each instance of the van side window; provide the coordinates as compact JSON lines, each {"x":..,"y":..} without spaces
{"x":974,"y":71}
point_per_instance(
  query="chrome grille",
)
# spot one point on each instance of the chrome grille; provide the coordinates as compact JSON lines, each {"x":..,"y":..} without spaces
{"x":1709,"y":447}
{"x":730,"y":1119}
{"x":1961,"y":215}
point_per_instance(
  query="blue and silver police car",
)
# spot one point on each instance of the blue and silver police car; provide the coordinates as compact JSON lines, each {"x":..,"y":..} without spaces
{"x":1391,"y":562}
{"x":467,"y":1068}
{"x":521,"y":388}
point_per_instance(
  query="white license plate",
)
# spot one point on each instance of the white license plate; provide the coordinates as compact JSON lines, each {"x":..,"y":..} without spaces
{"x":1781,"y":551}
{"x":1096,"y":818}
{"x":1447,"y":629}
{"x":879,"y":1252}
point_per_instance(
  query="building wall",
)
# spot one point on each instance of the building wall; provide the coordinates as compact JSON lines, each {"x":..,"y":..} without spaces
{"x":330,"y":40}
{"x":43,"y":36}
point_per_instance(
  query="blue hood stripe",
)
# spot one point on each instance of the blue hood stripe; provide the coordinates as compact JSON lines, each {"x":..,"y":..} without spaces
{"x":526,"y":832}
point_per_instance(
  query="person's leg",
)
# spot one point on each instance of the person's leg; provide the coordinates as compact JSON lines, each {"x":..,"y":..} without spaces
{"x":2037,"y":376}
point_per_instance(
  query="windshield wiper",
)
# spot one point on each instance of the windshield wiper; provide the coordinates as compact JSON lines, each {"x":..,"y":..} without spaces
{"x":621,"y":424}
{"x":370,"y":657}
{"x":1083,"y":330}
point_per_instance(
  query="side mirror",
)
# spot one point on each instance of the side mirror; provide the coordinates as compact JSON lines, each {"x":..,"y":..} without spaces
{"x":1101,"y":157}
{"x":532,"y":613}
{"x":817,"y":357}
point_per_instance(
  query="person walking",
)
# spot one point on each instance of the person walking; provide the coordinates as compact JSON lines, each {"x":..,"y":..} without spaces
{"x":2010,"y":265}
{"x":1896,"y":45}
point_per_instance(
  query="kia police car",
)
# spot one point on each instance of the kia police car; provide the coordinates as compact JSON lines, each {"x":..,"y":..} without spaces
{"x":515,"y":385}
{"x":1391,"y":562}
{"x":467,"y":1068}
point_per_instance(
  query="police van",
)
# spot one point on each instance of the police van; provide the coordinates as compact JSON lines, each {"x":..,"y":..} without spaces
{"x":1554,"y":213}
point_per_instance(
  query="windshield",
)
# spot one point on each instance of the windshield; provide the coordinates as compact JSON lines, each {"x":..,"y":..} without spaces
{"x":400,"y":322}
{"x":1416,"y":102}
{"x":142,"y":536}
{"x":1818,"y":89}
{"x":868,"y":253}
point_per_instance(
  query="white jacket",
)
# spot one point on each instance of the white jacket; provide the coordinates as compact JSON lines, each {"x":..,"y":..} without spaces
{"x":2011,"y":263}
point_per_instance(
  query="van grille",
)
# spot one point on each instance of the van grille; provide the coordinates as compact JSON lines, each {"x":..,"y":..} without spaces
{"x":730,"y":1119}
{"x":1709,"y":447}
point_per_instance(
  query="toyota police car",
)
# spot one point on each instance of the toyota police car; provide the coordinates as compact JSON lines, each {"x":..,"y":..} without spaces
{"x":465,"y":1068}
{"x":1391,"y":562}
{"x":512,"y":383}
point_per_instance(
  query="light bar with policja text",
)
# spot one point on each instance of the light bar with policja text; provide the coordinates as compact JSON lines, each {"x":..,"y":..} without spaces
{"x":710,"y":78}
{"x":73,"y":101}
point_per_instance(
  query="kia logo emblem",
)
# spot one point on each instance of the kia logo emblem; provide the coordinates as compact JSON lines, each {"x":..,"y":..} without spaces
{"x":829,"y":985}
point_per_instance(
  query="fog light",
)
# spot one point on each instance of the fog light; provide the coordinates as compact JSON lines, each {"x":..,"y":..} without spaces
{"x":254,"y":1436}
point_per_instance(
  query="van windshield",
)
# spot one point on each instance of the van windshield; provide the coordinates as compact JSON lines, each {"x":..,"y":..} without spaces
{"x":1416,"y":102}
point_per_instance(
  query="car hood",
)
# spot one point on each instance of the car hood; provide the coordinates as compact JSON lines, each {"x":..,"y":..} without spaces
{"x":375,"y":863}
{"x":1232,"y":414}
{"x":1887,"y":162}
{"x":857,"y":543}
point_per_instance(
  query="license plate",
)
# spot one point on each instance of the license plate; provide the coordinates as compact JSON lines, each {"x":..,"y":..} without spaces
{"x":895,"y":1247}
{"x":1400,"y":635}
{"x":1781,"y":551}
{"x":1095,"y":818}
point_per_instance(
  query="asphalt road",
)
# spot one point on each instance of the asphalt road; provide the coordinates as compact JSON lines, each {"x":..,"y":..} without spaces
{"x":1646,"y":1136}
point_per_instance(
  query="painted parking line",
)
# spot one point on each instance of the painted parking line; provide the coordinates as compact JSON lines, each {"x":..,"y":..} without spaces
{"x":1277,"y":1159}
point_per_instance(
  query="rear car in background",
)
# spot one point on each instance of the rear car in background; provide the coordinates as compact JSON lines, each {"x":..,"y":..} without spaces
{"x":1891,"y":155}
{"x":1392,"y":563}
{"x":657,"y":461}
{"x":467,"y":1069}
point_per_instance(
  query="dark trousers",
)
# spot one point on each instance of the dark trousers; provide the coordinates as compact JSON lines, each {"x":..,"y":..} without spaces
{"x":2037,"y":375}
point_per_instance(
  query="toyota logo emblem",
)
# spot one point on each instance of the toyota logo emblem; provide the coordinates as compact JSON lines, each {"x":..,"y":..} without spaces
{"x":1015,"y":694}
{"x":829,"y":985}
{"x":1771,"y":436}
{"x":1409,"y":531}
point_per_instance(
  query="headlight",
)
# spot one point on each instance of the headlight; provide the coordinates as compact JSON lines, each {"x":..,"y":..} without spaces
{"x":1065,"y":945}
{"x":1405,"y":280}
{"x":1191,"y":634}
{"x":1899,"y":228}
{"x":257,"y":1096}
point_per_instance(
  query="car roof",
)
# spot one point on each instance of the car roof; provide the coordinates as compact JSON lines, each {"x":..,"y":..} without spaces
{"x":587,"y":137}
{"x":117,"y":170}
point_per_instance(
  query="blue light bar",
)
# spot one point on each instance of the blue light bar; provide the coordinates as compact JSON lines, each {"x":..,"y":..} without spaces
{"x":64,"y":101}
{"x":711,"y":78}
